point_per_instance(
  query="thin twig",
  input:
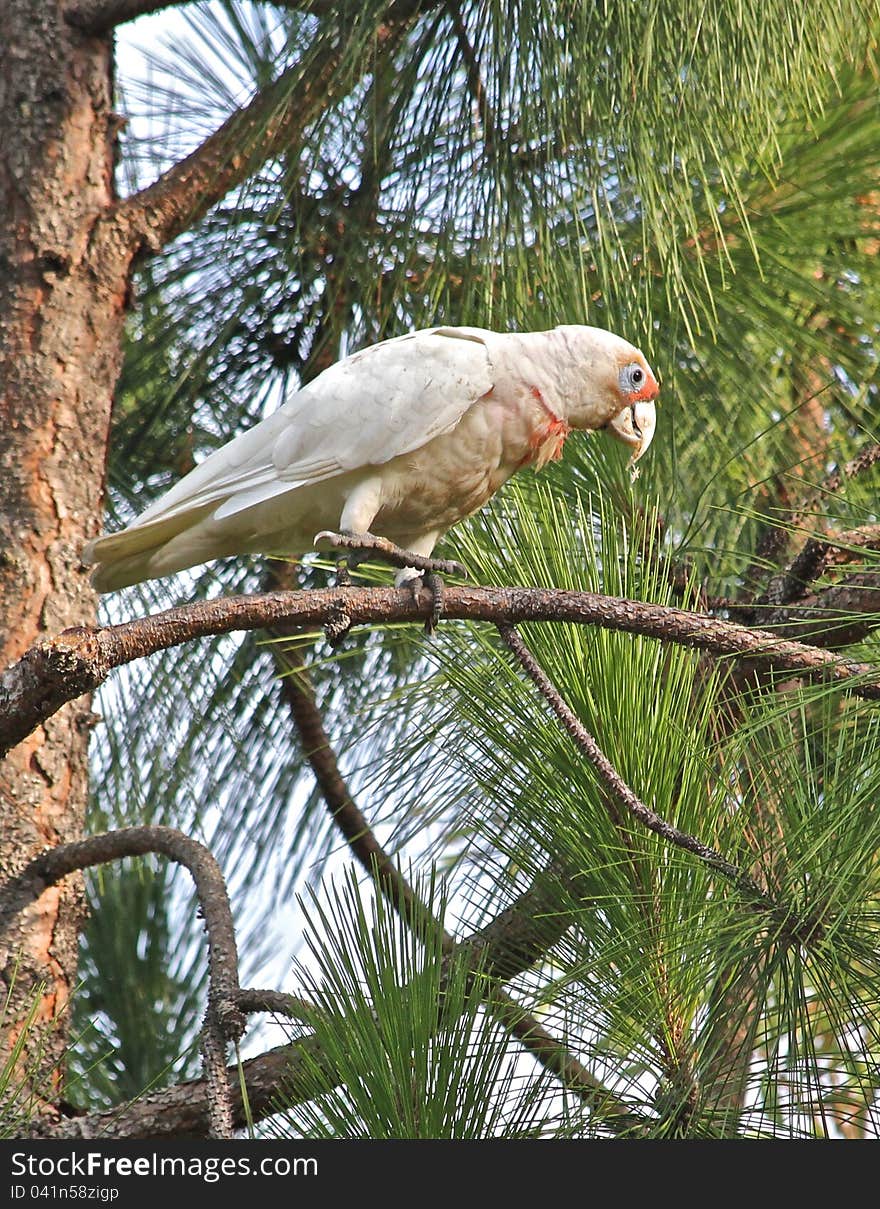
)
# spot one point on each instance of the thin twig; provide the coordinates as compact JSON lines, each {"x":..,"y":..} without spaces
{"x":476,"y":87}
{"x":619,"y":789}
{"x":298,"y":694}
{"x":223,"y":1019}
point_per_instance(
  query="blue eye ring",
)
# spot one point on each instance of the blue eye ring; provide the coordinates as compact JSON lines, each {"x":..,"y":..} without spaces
{"x":633,"y":377}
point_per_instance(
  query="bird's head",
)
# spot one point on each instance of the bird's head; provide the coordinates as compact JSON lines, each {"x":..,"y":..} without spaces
{"x":634,"y":424}
{"x":616,"y":388}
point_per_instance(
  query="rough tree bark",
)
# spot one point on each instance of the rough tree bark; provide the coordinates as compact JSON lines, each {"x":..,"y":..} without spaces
{"x":62,"y":308}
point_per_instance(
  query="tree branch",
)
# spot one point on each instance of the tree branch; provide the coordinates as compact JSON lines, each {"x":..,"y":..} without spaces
{"x":506,"y":946}
{"x":509,"y":944}
{"x":272,"y":123}
{"x":476,"y":87}
{"x":275,"y":1003}
{"x":79,"y":659}
{"x":95,"y":17}
{"x":558,"y":1058}
{"x":839,"y":615}
{"x":524,"y":931}
{"x":268,"y":125}
{"x":223,"y":1019}
{"x":297,"y":691}
{"x":793,"y":581}
{"x":183,"y":1111}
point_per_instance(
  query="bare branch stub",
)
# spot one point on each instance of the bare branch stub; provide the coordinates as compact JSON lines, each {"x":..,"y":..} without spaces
{"x":275,"y":1003}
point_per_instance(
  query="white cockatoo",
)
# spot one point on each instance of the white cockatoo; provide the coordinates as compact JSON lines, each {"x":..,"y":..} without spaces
{"x":400,"y":440}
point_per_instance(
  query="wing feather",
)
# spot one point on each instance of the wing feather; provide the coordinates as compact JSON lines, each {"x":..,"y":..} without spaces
{"x":377,"y":404}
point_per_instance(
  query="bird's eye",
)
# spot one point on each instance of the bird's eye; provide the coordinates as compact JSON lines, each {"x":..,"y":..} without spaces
{"x":632,"y":377}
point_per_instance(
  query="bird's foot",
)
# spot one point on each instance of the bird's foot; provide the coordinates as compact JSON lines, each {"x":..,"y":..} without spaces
{"x":366,"y":544}
{"x":415,"y":581}
{"x":363,"y":545}
{"x":432,"y":581}
{"x":336,"y":627}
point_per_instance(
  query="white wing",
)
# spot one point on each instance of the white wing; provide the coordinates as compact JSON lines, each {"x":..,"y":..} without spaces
{"x":384,"y":401}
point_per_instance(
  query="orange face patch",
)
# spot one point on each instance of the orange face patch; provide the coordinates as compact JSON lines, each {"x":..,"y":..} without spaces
{"x":648,"y":393}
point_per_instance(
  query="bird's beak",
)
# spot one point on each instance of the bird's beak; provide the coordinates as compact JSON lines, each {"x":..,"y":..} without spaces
{"x":634,"y":426}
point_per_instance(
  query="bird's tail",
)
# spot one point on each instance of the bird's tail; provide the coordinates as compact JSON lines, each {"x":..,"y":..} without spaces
{"x":141,"y":552}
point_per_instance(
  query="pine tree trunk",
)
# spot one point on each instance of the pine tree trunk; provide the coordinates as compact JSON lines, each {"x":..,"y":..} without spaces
{"x":62,"y":309}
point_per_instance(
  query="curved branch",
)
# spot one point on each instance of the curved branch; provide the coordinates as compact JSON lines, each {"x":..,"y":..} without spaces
{"x":505,"y":947}
{"x":223,"y":1019}
{"x":79,"y":659}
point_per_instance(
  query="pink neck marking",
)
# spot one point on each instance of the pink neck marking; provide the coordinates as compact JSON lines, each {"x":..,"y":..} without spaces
{"x":547,"y":440}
